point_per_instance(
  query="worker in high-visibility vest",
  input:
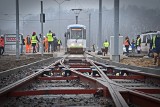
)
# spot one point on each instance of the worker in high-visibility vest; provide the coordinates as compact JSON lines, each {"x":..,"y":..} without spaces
{"x":28,"y":44}
{"x":138,"y":44}
{"x":106,"y":45}
{"x":59,"y":44}
{"x":155,"y":46}
{"x":50,"y":41}
{"x":46,"y":44}
{"x":127,"y":44}
{"x":34,"y":40}
{"x":1,"y":45}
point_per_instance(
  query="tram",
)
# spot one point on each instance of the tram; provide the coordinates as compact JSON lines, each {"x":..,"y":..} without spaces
{"x":76,"y":38}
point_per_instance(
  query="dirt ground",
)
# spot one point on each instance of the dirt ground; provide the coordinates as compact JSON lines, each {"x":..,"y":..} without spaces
{"x":142,"y":62}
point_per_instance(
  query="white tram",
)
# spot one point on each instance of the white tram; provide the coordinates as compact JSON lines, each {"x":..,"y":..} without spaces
{"x":76,"y":38}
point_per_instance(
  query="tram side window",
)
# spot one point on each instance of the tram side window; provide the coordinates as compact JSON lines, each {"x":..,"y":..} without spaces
{"x":148,"y":39}
{"x":84,"y":34}
{"x":144,"y":39}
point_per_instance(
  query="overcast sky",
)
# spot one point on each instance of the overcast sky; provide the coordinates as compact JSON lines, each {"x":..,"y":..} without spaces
{"x":33,"y":6}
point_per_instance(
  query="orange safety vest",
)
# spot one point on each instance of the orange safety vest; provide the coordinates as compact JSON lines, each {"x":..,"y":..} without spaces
{"x":1,"y":42}
{"x":46,"y":41}
{"x":126,"y":42}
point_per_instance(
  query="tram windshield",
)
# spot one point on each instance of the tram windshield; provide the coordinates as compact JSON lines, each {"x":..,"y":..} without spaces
{"x":76,"y":33}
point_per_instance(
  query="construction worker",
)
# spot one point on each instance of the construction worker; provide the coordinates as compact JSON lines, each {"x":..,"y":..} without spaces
{"x":93,"y":46}
{"x":59,"y":44}
{"x":46,"y":44}
{"x":127,"y":44}
{"x":133,"y":46}
{"x":50,"y":41}
{"x":106,"y":45}
{"x":28,"y":44}
{"x":34,"y":40}
{"x":23,"y":43}
{"x":155,"y":46}
{"x":55,"y":44}
{"x":1,"y":45}
{"x":138,"y":44}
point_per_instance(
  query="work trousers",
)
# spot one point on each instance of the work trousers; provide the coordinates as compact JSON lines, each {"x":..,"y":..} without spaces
{"x":46,"y":47}
{"x":105,"y":51}
{"x":50,"y":45}
{"x":34,"y":47}
{"x":28,"y":48}
{"x":156,"y":56}
{"x":1,"y":50}
{"x":127,"y":49}
{"x":59,"y":47}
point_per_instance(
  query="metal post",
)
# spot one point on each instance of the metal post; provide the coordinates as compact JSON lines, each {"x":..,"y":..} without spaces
{"x":116,"y":56}
{"x":17,"y":29}
{"x":89,"y":31}
{"x":100,"y":28}
{"x":66,"y":37}
{"x":42,"y":48}
{"x":59,"y":21}
{"x":23,"y":25}
{"x":76,"y":19}
{"x":77,"y":12}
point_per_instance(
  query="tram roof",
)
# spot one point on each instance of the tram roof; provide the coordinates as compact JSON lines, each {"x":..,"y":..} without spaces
{"x":76,"y":25}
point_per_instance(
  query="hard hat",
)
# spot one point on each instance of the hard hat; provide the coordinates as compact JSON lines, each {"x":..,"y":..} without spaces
{"x":2,"y":35}
{"x":34,"y":33}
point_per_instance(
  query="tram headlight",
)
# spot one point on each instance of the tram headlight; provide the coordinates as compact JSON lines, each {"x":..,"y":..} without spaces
{"x":72,"y":44}
{"x":80,"y":44}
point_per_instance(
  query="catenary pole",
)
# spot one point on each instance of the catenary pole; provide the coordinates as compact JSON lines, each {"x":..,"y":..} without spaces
{"x":116,"y":56}
{"x":100,"y":28}
{"x":42,"y":48}
{"x":89,"y":31}
{"x":17,"y":29}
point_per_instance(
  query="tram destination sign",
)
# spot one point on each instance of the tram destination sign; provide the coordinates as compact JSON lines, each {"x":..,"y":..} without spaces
{"x":10,"y":39}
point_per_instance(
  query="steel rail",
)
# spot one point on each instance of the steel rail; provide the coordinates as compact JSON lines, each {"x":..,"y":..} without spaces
{"x":133,"y":71}
{"x":116,"y":96}
{"x":8,"y":88}
{"x":117,"y":64}
{"x":97,"y":82}
{"x":147,"y":97}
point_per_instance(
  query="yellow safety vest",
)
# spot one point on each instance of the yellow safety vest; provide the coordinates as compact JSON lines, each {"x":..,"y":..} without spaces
{"x":50,"y":38}
{"x":59,"y":42}
{"x":154,"y":40}
{"x":138,"y":40}
{"x":106,"y":44}
{"x":34,"y":40}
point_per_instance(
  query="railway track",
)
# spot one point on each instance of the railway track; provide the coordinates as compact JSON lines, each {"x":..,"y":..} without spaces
{"x":77,"y":80}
